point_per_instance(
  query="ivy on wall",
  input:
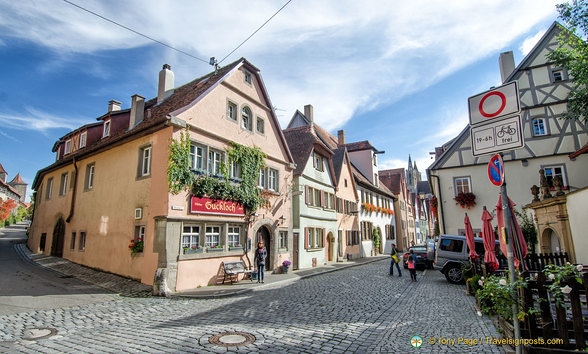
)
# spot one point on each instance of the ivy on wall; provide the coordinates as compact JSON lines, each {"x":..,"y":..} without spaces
{"x":245,"y":192}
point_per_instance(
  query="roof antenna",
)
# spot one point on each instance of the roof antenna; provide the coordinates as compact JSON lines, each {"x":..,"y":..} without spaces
{"x":214,"y":63}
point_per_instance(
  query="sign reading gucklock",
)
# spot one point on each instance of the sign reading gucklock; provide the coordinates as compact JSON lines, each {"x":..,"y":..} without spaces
{"x":218,"y":207}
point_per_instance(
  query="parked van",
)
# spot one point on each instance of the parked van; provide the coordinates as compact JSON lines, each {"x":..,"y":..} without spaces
{"x":452,"y":252}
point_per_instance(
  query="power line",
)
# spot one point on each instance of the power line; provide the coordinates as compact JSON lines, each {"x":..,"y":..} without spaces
{"x":257,"y":30}
{"x":139,"y":33}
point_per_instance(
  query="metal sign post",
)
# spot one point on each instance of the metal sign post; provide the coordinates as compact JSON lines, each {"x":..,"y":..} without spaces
{"x":495,"y":126}
{"x":510,"y":258}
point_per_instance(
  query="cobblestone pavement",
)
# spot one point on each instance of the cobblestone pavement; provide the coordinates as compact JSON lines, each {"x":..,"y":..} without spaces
{"x":358,"y":309}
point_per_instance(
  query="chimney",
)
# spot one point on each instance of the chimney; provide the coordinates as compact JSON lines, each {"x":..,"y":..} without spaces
{"x":507,"y":64}
{"x":341,"y":137}
{"x":113,"y":106}
{"x":308,"y":112}
{"x":166,"y":83}
{"x":137,"y":110}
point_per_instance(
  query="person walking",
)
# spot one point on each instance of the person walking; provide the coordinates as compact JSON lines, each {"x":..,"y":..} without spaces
{"x":395,"y":260}
{"x":259,"y":259}
{"x":412,"y":265}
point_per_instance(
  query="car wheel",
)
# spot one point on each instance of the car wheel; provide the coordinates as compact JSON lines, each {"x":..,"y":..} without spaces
{"x":453,"y":274}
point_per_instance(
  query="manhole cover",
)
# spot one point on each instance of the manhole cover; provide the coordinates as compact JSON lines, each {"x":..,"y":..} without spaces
{"x":232,"y":339}
{"x":39,"y":333}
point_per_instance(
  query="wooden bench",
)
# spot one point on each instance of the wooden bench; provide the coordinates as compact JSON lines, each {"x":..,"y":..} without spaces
{"x":235,"y":268}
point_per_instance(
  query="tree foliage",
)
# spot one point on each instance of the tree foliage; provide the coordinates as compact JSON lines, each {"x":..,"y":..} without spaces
{"x":527,"y":228}
{"x":572,"y":54}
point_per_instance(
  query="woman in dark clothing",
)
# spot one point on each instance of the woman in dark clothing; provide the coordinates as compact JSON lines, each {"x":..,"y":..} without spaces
{"x":259,"y":259}
{"x":395,"y":260}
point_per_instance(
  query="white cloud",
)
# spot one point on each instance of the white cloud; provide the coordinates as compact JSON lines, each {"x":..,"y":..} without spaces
{"x":530,"y":42}
{"x":39,"y":121}
{"x":392,"y":163}
{"x":343,"y":57}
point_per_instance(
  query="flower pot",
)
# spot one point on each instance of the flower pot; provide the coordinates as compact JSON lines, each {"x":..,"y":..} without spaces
{"x":192,"y":250}
{"x":285,"y":269}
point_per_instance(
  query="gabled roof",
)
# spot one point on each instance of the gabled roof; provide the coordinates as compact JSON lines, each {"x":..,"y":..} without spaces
{"x":2,"y":170}
{"x":392,"y":179}
{"x":182,"y":98}
{"x":423,"y":187}
{"x":453,"y":145}
{"x":360,"y":145}
{"x":555,"y":26}
{"x":9,"y":187}
{"x":363,"y":181}
{"x":302,"y":141}
{"x":338,"y":161}
{"x":17,"y":180}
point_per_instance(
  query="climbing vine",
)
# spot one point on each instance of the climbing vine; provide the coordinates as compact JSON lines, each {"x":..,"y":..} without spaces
{"x":243,"y":191}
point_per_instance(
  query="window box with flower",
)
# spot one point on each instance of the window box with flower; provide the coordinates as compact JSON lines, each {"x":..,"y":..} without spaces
{"x":136,"y":246}
{"x":217,"y":248}
{"x":466,"y":200}
{"x":235,"y":247}
{"x":192,"y":250}
{"x":368,"y":207}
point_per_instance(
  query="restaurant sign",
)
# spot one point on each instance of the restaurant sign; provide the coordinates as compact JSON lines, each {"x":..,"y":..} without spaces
{"x":217,"y":207}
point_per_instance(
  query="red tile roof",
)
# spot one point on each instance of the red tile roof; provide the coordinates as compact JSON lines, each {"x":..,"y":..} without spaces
{"x":17,"y":179}
{"x":9,"y":188}
{"x":360,"y":145}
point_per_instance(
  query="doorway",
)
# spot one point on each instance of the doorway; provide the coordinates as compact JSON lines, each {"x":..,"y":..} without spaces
{"x":295,"y":251}
{"x":58,"y":238}
{"x":330,"y":247}
{"x":264,"y":236}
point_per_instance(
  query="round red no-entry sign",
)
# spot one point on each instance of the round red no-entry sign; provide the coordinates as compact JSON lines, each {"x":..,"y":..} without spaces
{"x":496,"y":170}
{"x":502,"y":104}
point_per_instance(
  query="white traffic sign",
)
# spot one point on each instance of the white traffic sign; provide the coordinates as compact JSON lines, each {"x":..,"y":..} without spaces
{"x":496,"y":136}
{"x":494,"y":104}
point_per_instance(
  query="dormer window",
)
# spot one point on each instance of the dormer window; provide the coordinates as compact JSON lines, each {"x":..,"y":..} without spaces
{"x":83,"y":138}
{"x":106,"y":131}
{"x":67,"y":147}
{"x":317,"y":161}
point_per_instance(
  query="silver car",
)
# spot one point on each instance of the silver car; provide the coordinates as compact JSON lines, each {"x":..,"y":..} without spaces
{"x":452,"y":252}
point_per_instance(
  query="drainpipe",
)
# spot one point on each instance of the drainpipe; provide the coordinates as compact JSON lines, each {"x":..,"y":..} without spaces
{"x":73,"y":196}
{"x":440,"y":204}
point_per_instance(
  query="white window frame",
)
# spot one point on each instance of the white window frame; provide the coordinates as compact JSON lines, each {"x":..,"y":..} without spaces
{"x":248,"y":77}
{"x":63,"y":183}
{"x":83,"y":138}
{"x":192,"y":237}
{"x":234,"y":236}
{"x":262,"y":179}
{"x":260,"y":123}
{"x":197,"y":157}
{"x":272,"y":178}
{"x":90,"y":179}
{"x":49,"y":187}
{"x":247,"y":118}
{"x":106,"y":131}
{"x":140,"y":232}
{"x":146,"y":161}
{"x":215,"y":159}
{"x":549,"y":176}
{"x":67,"y":148}
{"x":317,"y":161}
{"x":212,"y":237}
{"x":462,"y":178}
{"x":283,"y":240}
{"x":232,"y":109}
{"x":539,"y":121}
{"x":235,"y":170}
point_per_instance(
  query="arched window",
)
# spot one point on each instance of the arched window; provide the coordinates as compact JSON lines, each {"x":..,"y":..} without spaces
{"x":246,"y":121}
{"x":539,"y":127}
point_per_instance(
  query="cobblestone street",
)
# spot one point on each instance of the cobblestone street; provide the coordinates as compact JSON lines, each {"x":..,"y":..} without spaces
{"x":359,"y":309}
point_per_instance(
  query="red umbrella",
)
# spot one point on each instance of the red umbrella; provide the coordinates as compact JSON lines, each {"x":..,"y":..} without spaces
{"x":489,"y":240}
{"x":470,"y":237}
{"x":520,"y":246}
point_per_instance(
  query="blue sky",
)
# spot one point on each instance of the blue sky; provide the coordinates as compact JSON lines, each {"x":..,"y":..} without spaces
{"x":395,"y":73}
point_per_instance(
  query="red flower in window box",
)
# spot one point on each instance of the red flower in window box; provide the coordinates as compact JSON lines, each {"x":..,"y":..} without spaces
{"x":466,"y":200}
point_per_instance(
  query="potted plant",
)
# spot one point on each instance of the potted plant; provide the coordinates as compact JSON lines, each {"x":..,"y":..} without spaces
{"x":136,"y":246}
{"x":216,"y":248}
{"x":193,"y":249}
{"x":285,"y":266}
{"x":235,"y":247}
{"x":466,"y":200}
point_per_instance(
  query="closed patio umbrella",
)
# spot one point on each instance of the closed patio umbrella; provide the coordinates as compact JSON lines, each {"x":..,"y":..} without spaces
{"x":520,"y":246}
{"x":489,"y":240}
{"x":470,"y":237}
